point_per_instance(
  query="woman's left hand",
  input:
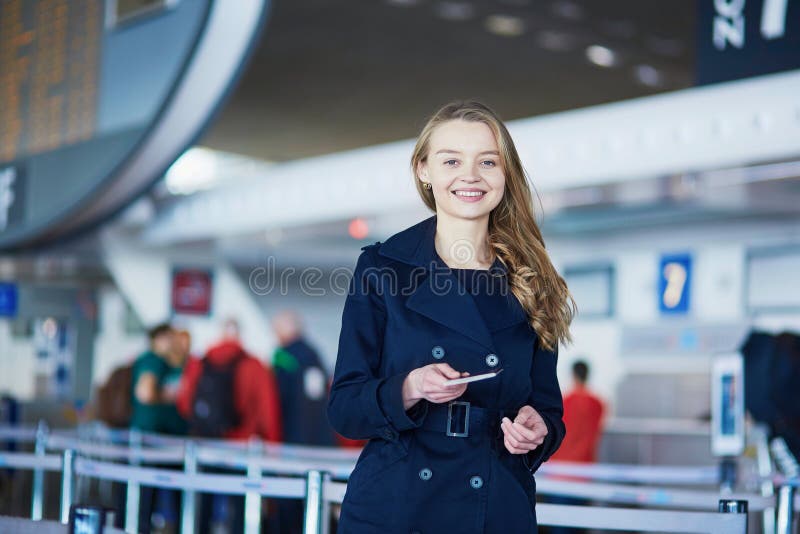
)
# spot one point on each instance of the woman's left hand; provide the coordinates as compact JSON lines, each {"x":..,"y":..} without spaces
{"x":526,"y":432}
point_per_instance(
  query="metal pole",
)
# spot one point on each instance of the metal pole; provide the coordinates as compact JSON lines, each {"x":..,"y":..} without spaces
{"x":132,"y":497}
{"x":252,"y":500}
{"x":312,"y":522}
{"x":37,"y":498}
{"x":326,"y":506}
{"x":188,"y":505}
{"x":733,"y":506}
{"x":67,"y":475}
{"x":785,"y":509}
{"x":758,"y":433}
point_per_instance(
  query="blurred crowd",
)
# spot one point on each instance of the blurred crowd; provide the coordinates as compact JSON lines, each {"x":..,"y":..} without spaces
{"x":226,"y":393}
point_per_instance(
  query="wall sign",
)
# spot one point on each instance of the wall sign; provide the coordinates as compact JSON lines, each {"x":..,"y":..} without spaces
{"x":8,"y":299}
{"x":191,"y":291}
{"x":743,"y":38}
{"x":674,"y":284}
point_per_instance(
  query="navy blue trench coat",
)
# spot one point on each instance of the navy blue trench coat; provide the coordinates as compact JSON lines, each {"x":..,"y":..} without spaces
{"x":436,"y":468}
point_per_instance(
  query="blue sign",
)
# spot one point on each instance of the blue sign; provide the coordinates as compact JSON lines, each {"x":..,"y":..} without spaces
{"x":739,"y":39}
{"x":8,"y":300}
{"x":674,"y":284}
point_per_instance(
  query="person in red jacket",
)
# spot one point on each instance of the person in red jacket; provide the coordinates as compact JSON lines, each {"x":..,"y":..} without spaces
{"x":583,"y":417}
{"x":257,"y":405}
{"x":255,"y":390}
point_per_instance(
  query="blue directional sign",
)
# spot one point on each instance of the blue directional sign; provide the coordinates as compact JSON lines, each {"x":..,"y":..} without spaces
{"x":674,"y":284}
{"x":8,"y":300}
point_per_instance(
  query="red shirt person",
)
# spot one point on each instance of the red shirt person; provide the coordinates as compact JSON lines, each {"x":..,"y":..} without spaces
{"x":256,"y":396}
{"x":583,"y":417}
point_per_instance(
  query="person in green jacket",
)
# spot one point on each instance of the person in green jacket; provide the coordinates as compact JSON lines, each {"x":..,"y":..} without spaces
{"x":150,"y":399}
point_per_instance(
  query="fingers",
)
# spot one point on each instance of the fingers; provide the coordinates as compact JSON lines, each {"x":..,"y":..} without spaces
{"x":432,"y":382}
{"x":447,"y":371}
{"x":447,"y":394}
{"x":513,"y":449}
{"x":520,"y":432}
{"x":514,"y":438}
{"x":521,"y":438}
{"x":525,"y":414}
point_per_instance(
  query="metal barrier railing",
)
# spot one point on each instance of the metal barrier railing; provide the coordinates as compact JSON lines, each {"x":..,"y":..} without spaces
{"x":319,"y":491}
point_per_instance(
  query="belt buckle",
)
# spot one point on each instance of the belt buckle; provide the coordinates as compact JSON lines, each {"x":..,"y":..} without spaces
{"x":449,"y":431}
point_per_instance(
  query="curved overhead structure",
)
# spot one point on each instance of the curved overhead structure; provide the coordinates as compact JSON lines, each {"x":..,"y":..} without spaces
{"x":101,"y":96}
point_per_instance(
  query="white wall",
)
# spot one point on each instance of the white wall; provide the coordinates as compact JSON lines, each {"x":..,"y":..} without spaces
{"x":113,"y":346}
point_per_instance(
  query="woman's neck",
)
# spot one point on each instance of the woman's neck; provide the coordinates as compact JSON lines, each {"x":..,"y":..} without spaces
{"x":463,"y":243}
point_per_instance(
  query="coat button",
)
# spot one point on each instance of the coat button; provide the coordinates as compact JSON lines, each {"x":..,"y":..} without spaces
{"x":492,"y":360}
{"x":476,"y":482}
{"x":389,"y":434}
{"x":438,"y":352}
{"x":425,"y":474}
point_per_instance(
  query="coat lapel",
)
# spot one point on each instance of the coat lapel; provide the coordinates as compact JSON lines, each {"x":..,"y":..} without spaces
{"x":437,"y":294}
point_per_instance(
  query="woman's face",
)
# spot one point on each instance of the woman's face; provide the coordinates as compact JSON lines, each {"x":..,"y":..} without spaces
{"x":464,"y":168}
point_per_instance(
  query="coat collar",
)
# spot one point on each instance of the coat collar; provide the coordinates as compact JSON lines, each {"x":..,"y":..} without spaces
{"x":415,"y":245}
{"x":439,"y":300}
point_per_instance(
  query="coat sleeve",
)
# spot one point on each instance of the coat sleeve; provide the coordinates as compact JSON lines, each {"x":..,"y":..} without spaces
{"x":363,"y":404}
{"x":546,"y":399}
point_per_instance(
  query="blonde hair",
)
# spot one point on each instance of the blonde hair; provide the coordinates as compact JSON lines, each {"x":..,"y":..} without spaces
{"x":514,"y":235}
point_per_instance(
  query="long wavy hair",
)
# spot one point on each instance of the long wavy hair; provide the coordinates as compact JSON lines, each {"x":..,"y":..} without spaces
{"x":514,"y":236}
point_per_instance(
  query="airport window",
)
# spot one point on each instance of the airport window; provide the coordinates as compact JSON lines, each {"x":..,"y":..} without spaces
{"x":771,"y":280}
{"x":592,"y":287}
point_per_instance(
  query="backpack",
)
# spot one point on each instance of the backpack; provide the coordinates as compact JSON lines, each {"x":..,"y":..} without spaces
{"x":213,"y":410}
{"x":114,"y":398}
{"x":772,"y":373}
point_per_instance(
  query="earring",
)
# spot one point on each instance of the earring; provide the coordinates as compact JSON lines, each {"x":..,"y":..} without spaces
{"x":426,"y":185}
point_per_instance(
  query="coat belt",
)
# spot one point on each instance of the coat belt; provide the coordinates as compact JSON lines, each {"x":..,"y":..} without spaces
{"x":452,"y":417}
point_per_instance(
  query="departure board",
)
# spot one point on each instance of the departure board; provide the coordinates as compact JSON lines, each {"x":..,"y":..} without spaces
{"x":49,"y":59}
{"x":99,"y":97}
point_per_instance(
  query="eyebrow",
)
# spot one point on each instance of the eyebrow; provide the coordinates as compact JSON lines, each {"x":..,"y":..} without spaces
{"x":451,"y":151}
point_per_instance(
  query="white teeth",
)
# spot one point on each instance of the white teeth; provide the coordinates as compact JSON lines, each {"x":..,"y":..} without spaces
{"x":469,"y":193}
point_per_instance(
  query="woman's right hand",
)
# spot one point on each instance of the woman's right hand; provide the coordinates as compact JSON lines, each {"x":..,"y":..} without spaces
{"x":429,"y":383}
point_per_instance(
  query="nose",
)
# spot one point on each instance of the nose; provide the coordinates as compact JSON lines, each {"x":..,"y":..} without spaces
{"x":472,"y":175}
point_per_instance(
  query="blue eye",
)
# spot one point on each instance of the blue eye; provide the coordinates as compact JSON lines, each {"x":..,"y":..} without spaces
{"x":490,"y":162}
{"x":448,"y":161}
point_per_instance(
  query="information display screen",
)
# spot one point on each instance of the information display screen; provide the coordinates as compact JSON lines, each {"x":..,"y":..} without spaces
{"x":49,"y":62}
{"x":84,"y":86}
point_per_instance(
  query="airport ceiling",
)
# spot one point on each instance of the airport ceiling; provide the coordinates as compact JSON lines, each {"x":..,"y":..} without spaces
{"x":330,"y":75}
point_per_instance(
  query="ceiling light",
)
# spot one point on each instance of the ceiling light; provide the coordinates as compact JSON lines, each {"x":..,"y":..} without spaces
{"x":358,"y":228}
{"x":455,"y":11}
{"x":556,"y":41}
{"x":648,"y":75}
{"x":601,"y":56}
{"x":568,"y":10}
{"x":196,"y":169}
{"x":505,"y":25}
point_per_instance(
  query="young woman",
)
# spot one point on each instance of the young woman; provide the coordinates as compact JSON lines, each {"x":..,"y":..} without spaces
{"x":466,"y":292}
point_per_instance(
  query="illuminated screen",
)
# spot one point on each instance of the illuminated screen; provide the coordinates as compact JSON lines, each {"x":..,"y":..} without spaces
{"x":79,"y":91}
{"x":49,"y":60}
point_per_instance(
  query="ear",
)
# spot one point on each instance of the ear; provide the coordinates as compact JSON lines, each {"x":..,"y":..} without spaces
{"x":422,"y":170}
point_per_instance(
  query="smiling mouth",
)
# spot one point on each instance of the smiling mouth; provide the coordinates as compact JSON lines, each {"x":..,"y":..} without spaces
{"x":469,"y":194}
